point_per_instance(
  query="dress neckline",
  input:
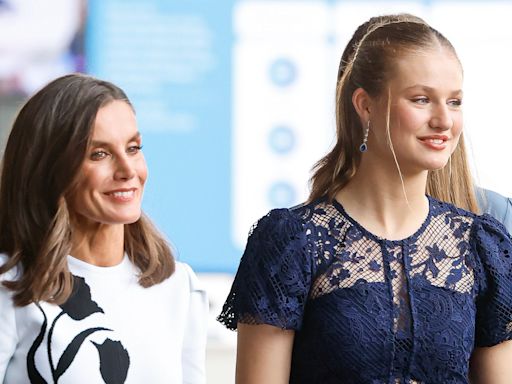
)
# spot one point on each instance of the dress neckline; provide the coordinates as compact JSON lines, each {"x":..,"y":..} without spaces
{"x":80,"y":266}
{"x":412,"y":237}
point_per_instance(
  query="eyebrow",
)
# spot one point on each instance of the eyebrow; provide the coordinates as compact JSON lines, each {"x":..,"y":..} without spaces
{"x":430,"y":89}
{"x":98,"y":143}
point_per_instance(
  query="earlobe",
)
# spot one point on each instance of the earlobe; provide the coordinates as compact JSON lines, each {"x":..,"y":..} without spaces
{"x":361,"y":102}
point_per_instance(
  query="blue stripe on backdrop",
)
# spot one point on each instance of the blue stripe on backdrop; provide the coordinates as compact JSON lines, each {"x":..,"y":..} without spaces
{"x":173,"y":58}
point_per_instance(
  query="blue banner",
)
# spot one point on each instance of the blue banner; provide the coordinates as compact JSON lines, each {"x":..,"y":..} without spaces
{"x":173,"y":58}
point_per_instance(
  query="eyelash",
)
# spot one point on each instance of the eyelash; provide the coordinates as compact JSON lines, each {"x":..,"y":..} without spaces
{"x":455,"y":102}
{"x":137,"y":148}
{"x":424,"y":100}
{"x":99,"y":155}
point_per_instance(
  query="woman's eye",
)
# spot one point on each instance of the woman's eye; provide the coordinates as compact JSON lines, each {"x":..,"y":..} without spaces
{"x":455,"y":102}
{"x":98,"y":155}
{"x":134,"y":149}
{"x":420,"y":100}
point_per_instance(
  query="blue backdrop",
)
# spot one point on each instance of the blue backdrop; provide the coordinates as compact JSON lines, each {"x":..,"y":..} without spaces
{"x":173,"y":59}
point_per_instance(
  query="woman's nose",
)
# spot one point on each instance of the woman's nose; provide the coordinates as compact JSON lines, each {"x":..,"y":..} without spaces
{"x":441,"y":118}
{"x":125,"y":170}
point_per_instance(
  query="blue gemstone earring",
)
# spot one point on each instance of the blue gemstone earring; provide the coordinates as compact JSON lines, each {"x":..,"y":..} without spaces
{"x":364,"y":147}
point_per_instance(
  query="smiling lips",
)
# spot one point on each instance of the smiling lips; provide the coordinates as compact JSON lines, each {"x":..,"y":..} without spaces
{"x":436,"y":142}
{"x":122,"y":195}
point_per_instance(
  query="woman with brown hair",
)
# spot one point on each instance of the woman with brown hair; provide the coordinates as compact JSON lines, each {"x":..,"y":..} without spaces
{"x":377,"y":279}
{"x":90,"y":291}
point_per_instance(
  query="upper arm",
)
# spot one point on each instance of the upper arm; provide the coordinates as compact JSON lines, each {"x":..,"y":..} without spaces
{"x":492,"y":365}
{"x":264,"y":354}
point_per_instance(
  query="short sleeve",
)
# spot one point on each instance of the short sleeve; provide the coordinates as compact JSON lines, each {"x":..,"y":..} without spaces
{"x":273,"y":279}
{"x":194,"y":340}
{"x":493,"y":245}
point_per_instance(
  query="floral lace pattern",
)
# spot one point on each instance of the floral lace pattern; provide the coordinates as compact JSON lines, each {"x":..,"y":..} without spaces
{"x":371,"y":310}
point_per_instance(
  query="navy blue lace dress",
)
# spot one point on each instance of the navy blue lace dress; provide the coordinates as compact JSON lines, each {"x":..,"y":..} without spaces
{"x":369,"y":310}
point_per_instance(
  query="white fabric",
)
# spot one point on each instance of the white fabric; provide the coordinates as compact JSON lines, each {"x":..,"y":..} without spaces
{"x":163,"y":328}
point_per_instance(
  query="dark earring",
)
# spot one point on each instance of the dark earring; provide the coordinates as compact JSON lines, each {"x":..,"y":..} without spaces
{"x":364,"y":146}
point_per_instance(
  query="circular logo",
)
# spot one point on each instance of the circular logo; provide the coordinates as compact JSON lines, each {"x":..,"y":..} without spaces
{"x":282,"y":72}
{"x":281,"y":139}
{"x":281,"y":194}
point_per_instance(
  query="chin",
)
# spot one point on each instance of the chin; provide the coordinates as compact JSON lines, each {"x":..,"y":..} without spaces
{"x":126,"y":219}
{"x":435,"y":167}
{"x":435,"y":164}
{"x":127,"y":222}
{"x":132,"y":219}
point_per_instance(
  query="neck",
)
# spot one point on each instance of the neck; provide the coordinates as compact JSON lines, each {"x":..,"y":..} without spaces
{"x":100,"y":244}
{"x":387,"y":205}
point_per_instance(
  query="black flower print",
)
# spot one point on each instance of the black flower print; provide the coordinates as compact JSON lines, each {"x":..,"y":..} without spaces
{"x":114,"y":361}
{"x":78,"y":307}
{"x":33,"y":374}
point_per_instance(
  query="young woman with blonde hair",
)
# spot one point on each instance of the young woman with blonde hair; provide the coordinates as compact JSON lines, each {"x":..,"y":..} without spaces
{"x":375,"y":279}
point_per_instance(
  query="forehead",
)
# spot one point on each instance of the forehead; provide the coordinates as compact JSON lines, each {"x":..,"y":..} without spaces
{"x":115,"y":119}
{"x":434,"y":68}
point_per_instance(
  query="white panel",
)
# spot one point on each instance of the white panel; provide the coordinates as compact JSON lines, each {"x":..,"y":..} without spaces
{"x":281,"y":122}
{"x":482,"y":37}
{"x":280,"y":20}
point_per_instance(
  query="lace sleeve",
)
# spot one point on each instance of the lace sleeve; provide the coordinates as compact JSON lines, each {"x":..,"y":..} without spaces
{"x":494,"y":303}
{"x":273,"y":279}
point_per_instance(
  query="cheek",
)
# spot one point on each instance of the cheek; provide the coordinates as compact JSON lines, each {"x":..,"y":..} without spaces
{"x":410,"y":122}
{"x":404,"y":128}
{"x":403,"y":122}
{"x":91,"y":178}
{"x":456,"y":131}
{"x":79,"y":195}
{"x":142,"y":171}
{"x":457,"y":126}
{"x":455,"y":142}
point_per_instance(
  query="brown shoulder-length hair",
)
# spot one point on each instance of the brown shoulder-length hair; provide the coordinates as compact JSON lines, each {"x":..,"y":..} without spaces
{"x":42,"y":159}
{"x":368,"y":62}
